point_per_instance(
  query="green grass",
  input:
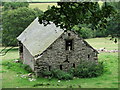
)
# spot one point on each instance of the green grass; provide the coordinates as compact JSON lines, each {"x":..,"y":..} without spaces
{"x":12,"y":79}
{"x":41,"y":6}
{"x":102,"y":42}
{"x":13,"y":54}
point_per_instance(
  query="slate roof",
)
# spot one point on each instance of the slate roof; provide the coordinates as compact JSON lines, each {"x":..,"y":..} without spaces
{"x":37,"y":37}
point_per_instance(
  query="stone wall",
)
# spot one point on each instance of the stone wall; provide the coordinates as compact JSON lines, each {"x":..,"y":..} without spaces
{"x":56,"y":56}
{"x":28,"y":58}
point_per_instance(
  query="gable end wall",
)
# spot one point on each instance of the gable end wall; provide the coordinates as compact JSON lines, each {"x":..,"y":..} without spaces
{"x":56,"y":54}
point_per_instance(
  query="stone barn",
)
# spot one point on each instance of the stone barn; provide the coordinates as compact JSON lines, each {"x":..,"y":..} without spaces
{"x":47,"y":47}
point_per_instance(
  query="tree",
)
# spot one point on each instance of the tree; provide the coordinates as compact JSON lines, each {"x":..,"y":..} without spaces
{"x":14,"y":22}
{"x":68,"y":14}
{"x":113,"y":26}
{"x":14,"y":5}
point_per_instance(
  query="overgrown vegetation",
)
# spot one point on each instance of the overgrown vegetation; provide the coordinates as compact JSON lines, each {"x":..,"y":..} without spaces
{"x":27,"y":68}
{"x":86,"y":69}
{"x":59,"y":74}
{"x":14,"y":5}
{"x":15,"y":18}
{"x":12,"y":77}
{"x":16,"y":66}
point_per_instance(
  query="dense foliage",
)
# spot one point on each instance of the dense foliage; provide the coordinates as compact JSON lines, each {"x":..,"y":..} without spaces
{"x":102,"y":19}
{"x":61,"y":75}
{"x":68,"y":14}
{"x":14,"y":5}
{"x":113,"y":26}
{"x":89,"y":18}
{"x":86,"y":69}
{"x":84,"y":32}
{"x":15,"y":21}
{"x":56,"y":73}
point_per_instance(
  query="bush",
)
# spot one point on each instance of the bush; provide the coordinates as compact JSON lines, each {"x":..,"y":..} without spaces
{"x":8,"y":65}
{"x":46,"y":73}
{"x":87,"y":69}
{"x":71,"y":71}
{"x":26,"y":67}
{"x":86,"y":33}
{"x":61,"y":75}
{"x":101,"y":33}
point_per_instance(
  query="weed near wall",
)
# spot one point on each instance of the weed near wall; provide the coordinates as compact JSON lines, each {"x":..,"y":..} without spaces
{"x":86,"y":69}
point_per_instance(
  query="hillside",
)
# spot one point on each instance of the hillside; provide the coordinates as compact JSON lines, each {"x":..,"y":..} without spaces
{"x":41,"y":6}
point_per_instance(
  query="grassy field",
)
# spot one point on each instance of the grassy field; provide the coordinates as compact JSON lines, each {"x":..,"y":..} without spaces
{"x":12,"y":74}
{"x":41,"y":6}
{"x":102,"y":42}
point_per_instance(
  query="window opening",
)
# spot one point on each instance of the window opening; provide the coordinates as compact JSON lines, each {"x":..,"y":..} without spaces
{"x":69,"y":45}
{"x":83,"y":48}
{"x":69,"y":34}
{"x":49,"y":68}
{"x":74,"y":65}
{"x":60,"y":67}
{"x":88,"y":55}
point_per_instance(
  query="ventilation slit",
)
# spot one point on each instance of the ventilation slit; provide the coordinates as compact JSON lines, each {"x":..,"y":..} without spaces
{"x":68,"y":45}
{"x":60,"y":67}
{"x":88,"y":55}
{"x":49,"y":68}
{"x":73,"y":65}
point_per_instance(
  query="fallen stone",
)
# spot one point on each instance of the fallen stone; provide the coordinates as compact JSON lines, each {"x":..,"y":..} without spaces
{"x":30,"y":75}
{"x":16,"y":61}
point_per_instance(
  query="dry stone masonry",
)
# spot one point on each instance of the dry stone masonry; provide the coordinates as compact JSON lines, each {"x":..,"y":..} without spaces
{"x":64,"y":52}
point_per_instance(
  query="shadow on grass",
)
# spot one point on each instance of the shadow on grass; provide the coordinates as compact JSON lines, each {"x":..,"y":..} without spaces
{"x":13,"y":49}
